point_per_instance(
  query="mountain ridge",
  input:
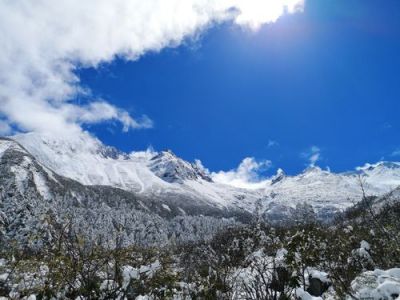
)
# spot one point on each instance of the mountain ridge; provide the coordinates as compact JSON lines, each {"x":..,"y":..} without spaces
{"x":35,"y":201}
{"x":156,"y":173}
{"x":155,"y":195}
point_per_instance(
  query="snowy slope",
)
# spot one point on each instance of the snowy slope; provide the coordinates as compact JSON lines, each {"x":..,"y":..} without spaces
{"x":155,"y":197}
{"x":35,"y":201}
{"x":148,"y":173}
{"x":85,"y":159}
{"x":163,"y":175}
{"x":381,"y":177}
{"x":7,"y":144}
{"x":326,"y":191}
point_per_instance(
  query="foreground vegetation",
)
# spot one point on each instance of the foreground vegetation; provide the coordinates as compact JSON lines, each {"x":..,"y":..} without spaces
{"x":254,"y":261}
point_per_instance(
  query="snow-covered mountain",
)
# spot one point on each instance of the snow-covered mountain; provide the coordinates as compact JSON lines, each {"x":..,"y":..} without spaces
{"x":166,"y":178}
{"x":35,"y":202}
{"x":154,"y":197}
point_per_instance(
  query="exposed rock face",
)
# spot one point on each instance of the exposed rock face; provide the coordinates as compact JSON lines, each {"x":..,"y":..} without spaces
{"x":280,"y":175}
{"x":170,"y":168}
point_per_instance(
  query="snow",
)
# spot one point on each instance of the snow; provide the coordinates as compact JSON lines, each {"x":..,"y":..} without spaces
{"x":365,"y":245}
{"x":21,"y":175}
{"x":378,"y":284}
{"x":129,"y":273}
{"x":41,"y":185}
{"x":108,"y":285}
{"x":381,"y":177}
{"x":87,"y":160}
{"x":257,"y":262}
{"x":281,"y":257}
{"x":322,"y":276}
{"x":166,"y":207}
{"x":3,"y":262}
{"x":82,"y":158}
{"x":6,"y":144}
{"x":363,"y":252}
{"x":151,"y":269}
{"x":3,"y":277}
{"x":303,"y":295}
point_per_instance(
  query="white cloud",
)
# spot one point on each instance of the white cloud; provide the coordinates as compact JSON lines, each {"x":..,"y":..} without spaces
{"x":254,"y":13}
{"x":44,"y":42}
{"x":246,"y":175}
{"x":201,"y":167}
{"x":145,"y":155}
{"x":313,"y":155}
{"x":100,"y":111}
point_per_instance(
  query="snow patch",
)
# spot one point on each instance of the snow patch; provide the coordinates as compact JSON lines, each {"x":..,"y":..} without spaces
{"x":303,"y":295}
{"x":378,"y":284}
{"x":129,"y":273}
{"x":41,"y":185}
{"x":166,"y":207}
{"x":322,"y":276}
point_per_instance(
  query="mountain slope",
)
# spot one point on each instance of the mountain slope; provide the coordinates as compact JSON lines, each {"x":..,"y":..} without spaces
{"x":35,"y":202}
{"x":167,"y":179}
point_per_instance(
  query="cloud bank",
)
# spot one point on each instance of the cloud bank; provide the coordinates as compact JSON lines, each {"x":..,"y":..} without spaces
{"x":44,"y":43}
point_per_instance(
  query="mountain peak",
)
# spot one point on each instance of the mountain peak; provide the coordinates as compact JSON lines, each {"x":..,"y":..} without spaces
{"x":388,"y":165}
{"x":171,"y":168}
{"x":165,"y":154}
{"x":279,"y":176}
{"x":380,"y":165}
{"x":312,"y":170}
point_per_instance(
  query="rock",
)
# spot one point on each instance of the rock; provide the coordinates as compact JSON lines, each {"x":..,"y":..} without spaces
{"x":317,"y":287}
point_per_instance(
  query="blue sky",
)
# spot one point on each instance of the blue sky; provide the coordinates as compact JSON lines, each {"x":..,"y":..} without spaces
{"x":322,"y":83}
{"x":328,"y":77}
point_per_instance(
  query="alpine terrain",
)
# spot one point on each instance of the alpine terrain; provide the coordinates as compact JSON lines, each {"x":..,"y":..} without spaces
{"x":156,"y":197}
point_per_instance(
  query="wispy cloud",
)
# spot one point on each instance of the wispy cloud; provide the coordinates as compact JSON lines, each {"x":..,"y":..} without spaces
{"x":272,"y":143}
{"x":396,"y":153}
{"x":44,"y":42}
{"x":246,"y":175}
{"x":313,"y":155}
